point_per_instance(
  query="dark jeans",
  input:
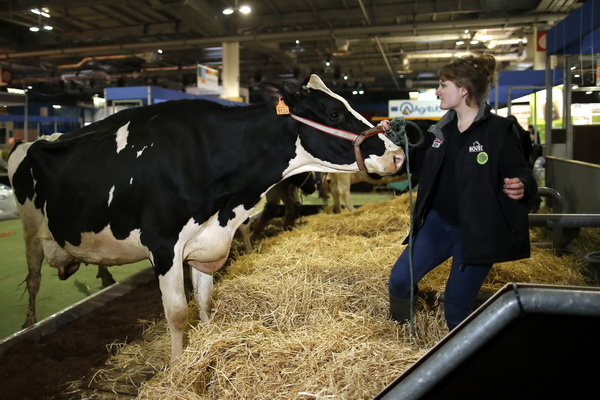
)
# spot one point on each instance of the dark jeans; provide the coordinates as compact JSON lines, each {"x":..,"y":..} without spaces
{"x":435,"y":242}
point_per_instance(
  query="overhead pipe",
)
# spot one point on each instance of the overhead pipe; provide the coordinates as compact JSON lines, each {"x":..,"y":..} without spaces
{"x":380,"y":46}
{"x":279,"y":36}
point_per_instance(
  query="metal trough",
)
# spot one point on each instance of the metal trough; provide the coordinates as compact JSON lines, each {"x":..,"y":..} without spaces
{"x":526,"y":342}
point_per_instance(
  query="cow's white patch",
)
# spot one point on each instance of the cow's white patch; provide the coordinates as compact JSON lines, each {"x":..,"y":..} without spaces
{"x":131,"y":180}
{"x":50,"y":138}
{"x":306,"y":162}
{"x":316,"y":83}
{"x":121,"y":137}
{"x":139,"y":153}
{"x":16,"y":157}
{"x":206,"y":246}
{"x":103,"y":248}
{"x":110,"y":195}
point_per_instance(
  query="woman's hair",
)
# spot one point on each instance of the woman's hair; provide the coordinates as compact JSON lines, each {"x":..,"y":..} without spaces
{"x":476,"y":74}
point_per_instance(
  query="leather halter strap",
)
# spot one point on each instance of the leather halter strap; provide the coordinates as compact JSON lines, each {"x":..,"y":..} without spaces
{"x":356,"y":139}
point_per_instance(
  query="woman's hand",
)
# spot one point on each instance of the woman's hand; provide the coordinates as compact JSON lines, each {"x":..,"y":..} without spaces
{"x":514,"y":188}
{"x":386,"y":125}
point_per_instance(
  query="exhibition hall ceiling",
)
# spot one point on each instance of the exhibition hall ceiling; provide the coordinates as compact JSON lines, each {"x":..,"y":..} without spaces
{"x":74,"y":49}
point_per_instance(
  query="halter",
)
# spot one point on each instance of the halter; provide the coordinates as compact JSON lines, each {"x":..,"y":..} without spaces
{"x":356,"y":139}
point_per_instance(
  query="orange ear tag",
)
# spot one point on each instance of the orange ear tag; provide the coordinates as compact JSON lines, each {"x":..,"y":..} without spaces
{"x":282,"y":108}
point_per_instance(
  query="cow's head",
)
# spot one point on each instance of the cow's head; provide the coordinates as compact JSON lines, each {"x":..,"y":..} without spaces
{"x":313,"y":108}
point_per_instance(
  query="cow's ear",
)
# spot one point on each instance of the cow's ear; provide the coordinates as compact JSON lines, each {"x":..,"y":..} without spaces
{"x":272,"y":94}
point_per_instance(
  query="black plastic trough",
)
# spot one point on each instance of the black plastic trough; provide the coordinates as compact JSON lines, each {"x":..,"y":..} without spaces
{"x":525,"y":342}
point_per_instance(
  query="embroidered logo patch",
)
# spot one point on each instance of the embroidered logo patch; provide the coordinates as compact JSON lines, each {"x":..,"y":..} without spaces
{"x":476,"y":147}
{"x":482,"y":158}
{"x":437,"y":143}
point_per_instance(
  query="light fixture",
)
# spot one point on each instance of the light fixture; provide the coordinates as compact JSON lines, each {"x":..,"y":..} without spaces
{"x":243,"y":9}
{"x":460,"y":42}
{"x":44,"y":12}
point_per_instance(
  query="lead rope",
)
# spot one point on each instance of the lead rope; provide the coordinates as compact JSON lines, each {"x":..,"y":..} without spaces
{"x":398,"y":126}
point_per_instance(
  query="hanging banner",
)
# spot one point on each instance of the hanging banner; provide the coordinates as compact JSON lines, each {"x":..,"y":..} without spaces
{"x":208,"y":78}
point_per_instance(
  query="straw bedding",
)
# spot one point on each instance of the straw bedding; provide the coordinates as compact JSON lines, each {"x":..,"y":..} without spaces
{"x":305,"y":315}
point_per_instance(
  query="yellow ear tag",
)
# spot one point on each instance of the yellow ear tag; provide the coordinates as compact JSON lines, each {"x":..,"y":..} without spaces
{"x":282,"y":108}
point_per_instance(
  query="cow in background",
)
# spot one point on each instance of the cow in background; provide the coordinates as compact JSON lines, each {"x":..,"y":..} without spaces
{"x":286,"y":192}
{"x":91,"y":196}
{"x":339,"y":186}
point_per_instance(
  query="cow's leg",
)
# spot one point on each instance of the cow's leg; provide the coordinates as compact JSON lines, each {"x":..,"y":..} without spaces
{"x":343,"y":186}
{"x":244,"y":230}
{"x":175,"y":306}
{"x":203,"y":289}
{"x":291,"y":202}
{"x":335,"y":193}
{"x":34,"y":255}
{"x":105,"y":276}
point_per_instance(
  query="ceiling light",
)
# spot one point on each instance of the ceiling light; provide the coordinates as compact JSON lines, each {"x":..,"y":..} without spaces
{"x":243,"y":9}
{"x":44,"y":12}
{"x":460,"y":42}
{"x":34,"y":29}
{"x":48,"y":27}
{"x":474,"y":42}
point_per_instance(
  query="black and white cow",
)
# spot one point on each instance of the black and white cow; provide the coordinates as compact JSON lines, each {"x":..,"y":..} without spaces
{"x":171,"y":182}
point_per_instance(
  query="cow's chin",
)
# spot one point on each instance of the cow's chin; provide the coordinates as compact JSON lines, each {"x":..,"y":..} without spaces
{"x":385,"y":165}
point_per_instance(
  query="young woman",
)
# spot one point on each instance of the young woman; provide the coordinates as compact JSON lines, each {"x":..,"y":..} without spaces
{"x":472,"y":196}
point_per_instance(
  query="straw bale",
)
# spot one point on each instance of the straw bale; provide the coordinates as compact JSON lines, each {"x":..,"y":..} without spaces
{"x":305,"y":316}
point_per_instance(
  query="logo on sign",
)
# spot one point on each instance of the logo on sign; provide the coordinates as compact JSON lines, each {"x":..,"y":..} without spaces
{"x":408,"y":108}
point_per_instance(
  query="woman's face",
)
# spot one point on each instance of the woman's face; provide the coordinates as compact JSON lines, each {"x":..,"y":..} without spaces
{"x":450,"y":95}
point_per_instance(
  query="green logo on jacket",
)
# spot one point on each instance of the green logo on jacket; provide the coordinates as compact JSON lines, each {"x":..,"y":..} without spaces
{"x":482,"y":157}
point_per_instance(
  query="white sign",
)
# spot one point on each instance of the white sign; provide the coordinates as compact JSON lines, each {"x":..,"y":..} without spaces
{"x":415,"y":109}
{"x":208,"y":78}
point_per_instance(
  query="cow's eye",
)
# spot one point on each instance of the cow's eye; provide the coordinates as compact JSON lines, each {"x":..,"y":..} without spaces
{"x":335,"y":115}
